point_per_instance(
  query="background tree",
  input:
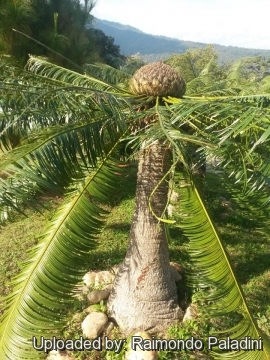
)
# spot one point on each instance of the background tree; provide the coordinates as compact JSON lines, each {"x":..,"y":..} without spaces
{"x":60,"y":25}
{"x":71,"y":125}
{"x":192,"y":62}
{"x":15,"y":14}
{"x":249,"y":70}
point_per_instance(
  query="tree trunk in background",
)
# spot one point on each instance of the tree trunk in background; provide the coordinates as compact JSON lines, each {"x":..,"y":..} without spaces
{"x":144,"y":292}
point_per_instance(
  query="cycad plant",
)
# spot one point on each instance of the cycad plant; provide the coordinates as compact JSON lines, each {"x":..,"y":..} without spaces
{"x":68,"y":127}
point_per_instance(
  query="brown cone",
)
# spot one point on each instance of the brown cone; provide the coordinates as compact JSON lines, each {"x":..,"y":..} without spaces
{"x":157,"y":79}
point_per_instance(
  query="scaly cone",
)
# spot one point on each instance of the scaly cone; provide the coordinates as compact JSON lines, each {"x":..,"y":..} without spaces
{"x":157,"y":79}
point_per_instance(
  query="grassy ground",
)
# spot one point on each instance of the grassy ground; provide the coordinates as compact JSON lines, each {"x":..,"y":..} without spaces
{"x":243,"y":227}
{"x":17,"y":236}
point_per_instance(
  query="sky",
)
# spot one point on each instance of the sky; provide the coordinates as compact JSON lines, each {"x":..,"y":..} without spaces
{"x":243,"y":23}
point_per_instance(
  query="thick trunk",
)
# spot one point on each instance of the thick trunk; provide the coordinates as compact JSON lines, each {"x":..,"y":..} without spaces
{"x":144,"y":293}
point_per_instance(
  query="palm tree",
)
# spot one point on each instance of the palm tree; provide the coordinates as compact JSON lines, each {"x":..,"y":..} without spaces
{"x":71,"y":126}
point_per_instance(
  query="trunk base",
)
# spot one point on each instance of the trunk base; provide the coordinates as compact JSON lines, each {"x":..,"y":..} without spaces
{"x":134,"y":313}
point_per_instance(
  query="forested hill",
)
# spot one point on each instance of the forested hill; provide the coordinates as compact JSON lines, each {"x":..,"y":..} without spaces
{"x":152,"y":47}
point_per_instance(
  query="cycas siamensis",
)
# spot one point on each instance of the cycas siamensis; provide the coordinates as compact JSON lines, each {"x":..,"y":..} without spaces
{"x":144,"y":283}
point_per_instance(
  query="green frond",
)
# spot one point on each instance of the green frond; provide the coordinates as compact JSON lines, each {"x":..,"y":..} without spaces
{"x":53,"y":158}
{"x":50,"y":107}
{"x":208,"y":69}
{"x":33,"y":101}
{"x":206,"y":83}
{"x":44,"y":290}
{"x":235,"y":72}
{"x":236,"y":129}
{"x":107,"y":73}
{"x":212,"y":272}
{"x":251,"y":171}
{"x":68,"y":77}
{"x":241,"y":74}
{"x":58,"y":129}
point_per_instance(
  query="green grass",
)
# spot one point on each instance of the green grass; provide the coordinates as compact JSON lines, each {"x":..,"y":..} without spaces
{"x":18,"y":235}
{"x":114,"y":237}
{"x":243,"y":226}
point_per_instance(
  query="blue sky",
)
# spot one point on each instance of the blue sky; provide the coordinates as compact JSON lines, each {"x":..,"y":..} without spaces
{"x":243,"y":23}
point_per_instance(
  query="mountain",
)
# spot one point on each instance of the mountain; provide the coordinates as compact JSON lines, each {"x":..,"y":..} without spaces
{"x":152,"y":47}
